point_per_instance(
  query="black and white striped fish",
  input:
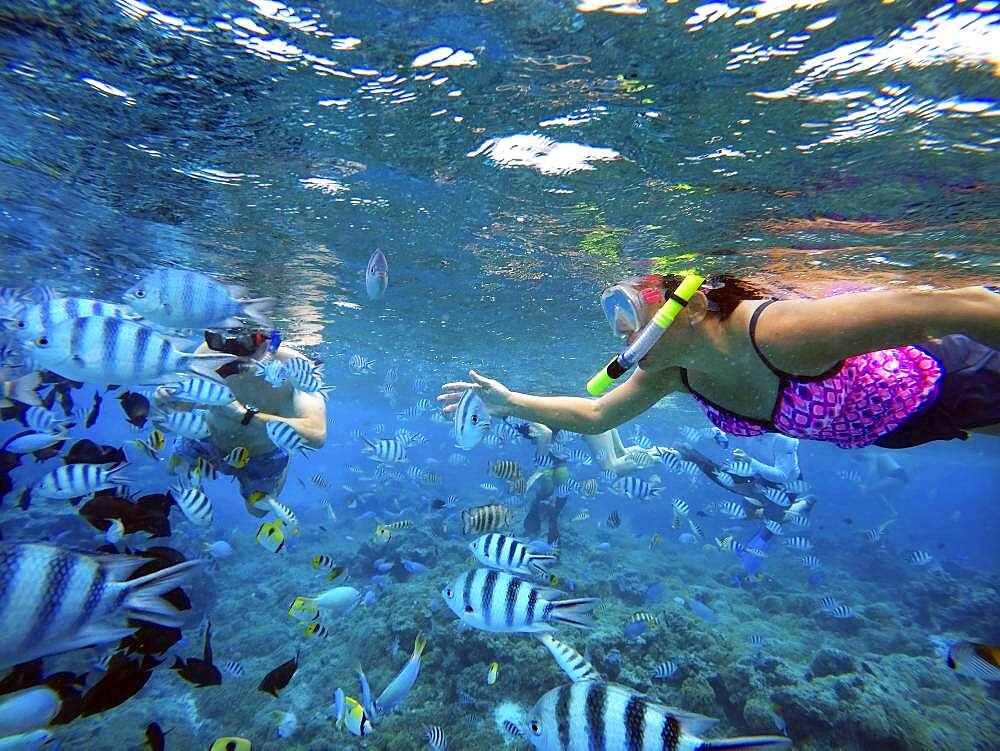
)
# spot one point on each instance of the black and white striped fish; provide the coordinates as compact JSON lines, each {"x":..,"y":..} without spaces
{"x":488,"y":518}
{"x":114,"y":350}
{"x":827,"y":604}
{"x":799,"y":543}
{"x":732,"y":509}
{"x":75,"y":480}
{"x":509,"y":554}
{"x":306,"y":376}
{"x":842,"y":611}
{"x":191,"y":424}
{"x":597,"y":715}
{"x":195,"y":505}
{"x":696,"y":530}
{"x":233,"y":667}
{"x":386,"y":450}
{"x":811,"y":562}
{"x":920,"y":558}
{"x":497,"y":601}
{"x":198,"y":390}
{"x":287,"y":438}
{"x":778,"y":497}
{"x":42,"y":420}
{"x":664,"y":671}
{"x":774,"y":527}
{"x":681,"y":507}
{"x":571,"y":662}
{"x":435,"y":738}
{"x":54,"y":600}
{"x":360,"y":364}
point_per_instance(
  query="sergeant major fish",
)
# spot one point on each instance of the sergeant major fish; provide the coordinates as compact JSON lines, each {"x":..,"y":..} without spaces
{"x":183,"y":299}
{"x":593,"y":714}
{"x":509,"y":554}
{"x":112,"y":350}
{"x":55,"y":600}
{"x":497,"y":601}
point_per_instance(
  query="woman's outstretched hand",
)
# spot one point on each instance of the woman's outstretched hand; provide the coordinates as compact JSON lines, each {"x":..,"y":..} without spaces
{"x":494,"y":394}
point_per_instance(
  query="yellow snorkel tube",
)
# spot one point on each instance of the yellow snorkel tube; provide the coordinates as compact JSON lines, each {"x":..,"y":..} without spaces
{"x":650,"y":335}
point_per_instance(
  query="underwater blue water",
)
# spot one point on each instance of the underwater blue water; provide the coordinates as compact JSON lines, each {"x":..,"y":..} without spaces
{"x":808,"y":145}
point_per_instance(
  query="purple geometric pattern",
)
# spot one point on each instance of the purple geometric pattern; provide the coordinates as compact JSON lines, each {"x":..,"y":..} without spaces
{"x":870,"y":396}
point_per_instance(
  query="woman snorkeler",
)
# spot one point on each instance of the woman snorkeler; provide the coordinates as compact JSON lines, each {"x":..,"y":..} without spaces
{"x":889,"y":368}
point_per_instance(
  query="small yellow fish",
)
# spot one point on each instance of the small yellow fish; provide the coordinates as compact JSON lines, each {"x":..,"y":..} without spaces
{"x":553,"y":580}
{"x":238,"y":457}
{"x":231,"y":743}
{"x":317,"y":629}
{"x":383,"y":532}
{"x":271,"y":535}
{"x":304,"y":609}
{"x":655,"y":540}
{"x":327,"y":562}
{"x":641,"y":615}
{"x":153,"y":444}
{"x":355,"y":720}
{"x":493,"y":674}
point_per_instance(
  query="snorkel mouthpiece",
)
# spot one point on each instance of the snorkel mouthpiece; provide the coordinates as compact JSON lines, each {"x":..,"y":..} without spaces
{"x":649,"y":336}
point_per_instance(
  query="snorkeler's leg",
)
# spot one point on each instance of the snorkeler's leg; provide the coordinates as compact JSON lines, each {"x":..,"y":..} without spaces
{"x":555,"y":509}
{"x":602,"y":448}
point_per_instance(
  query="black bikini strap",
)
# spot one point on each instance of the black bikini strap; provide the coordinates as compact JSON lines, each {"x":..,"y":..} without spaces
{"x":753,"y":340}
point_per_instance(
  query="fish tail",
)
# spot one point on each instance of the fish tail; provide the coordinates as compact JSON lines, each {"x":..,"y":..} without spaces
{"x":576,"y":612}
{"x":418,"y":645}
{"x":115,"y":474}
{"x":24,"y":389}
{"x":205,"y":364}
{"x":143,"y":594}
{"x":255,"y":309}
{"x":760,"y":741}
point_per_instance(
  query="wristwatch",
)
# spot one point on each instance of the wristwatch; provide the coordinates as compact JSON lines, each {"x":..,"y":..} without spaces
{"x":248,"y":415}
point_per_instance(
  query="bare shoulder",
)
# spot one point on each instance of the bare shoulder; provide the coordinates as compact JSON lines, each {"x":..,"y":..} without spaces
{"x":284,"y":354}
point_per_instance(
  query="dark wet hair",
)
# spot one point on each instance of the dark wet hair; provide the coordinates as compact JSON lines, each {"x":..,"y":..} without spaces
{"x":725,"y":291}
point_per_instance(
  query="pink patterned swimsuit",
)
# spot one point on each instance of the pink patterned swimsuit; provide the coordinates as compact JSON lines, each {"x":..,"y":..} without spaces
{"x":856,"y":403}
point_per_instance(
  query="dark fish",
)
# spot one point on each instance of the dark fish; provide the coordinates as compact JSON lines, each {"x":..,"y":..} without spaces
{"x":136,"y":408}
{"x":848,"y":520}
{"x":437,"y":504}
{"x":701,"y":514}
{"x":95,"y":412}
{"x":278,"y":678}
{"x":150,"y":639}
{"x":154,"y":737}
{"x":867,"y":668}
{"x":200,"y":672}
{"x":8,"y":462}
{"x":151,"y":513}
{"x":86,"y":451}
{"x":124,"y":678}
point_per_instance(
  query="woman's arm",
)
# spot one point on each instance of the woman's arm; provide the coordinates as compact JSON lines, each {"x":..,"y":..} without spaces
{"x":640,"y":392}
{"x":810,"y":336}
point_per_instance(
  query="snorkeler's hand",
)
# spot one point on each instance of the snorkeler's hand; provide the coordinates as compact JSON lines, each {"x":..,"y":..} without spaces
{"x":494,"y":394}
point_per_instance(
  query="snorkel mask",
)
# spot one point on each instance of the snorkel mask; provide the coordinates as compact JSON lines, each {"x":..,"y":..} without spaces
{"x":622,"y":304}
{"x":243,"y":345}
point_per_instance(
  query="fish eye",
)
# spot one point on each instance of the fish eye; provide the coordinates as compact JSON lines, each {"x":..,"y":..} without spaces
{"x":536,"y":727}
{"x":42,"y":341}
{"x":475,"y":419}
{"x":140,"y":293}
{"x":468,"y":609}
{"x":448,"y":593}
{"x":22,"y":325}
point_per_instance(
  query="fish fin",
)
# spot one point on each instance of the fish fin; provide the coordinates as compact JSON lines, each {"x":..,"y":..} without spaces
{"x":24,"y":389}
{"x":254,"y":309}
{"x":418,"y":646}
{"x":576,"y":612}
{"x":763,"y":741}
{"x":143,"y":594}
{"x":93,"y":635}
{"x":206,"y":364}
